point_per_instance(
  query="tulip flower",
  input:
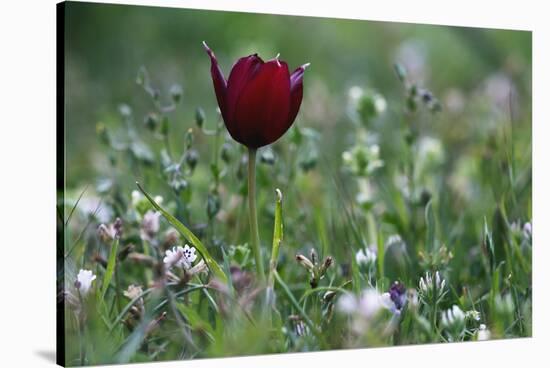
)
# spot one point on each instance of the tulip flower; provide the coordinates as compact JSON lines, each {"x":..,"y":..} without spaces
{"x":258,"y":102}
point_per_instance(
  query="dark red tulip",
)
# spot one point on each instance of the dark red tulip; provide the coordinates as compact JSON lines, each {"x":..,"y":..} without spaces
{"x":260,"y":100}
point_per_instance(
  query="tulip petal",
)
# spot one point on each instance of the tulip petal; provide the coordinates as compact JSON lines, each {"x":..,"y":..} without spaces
{"x":263,"y":105}
{"x":220,"y":84}
{"x":296,"y":91}
{"x":244,"y":70}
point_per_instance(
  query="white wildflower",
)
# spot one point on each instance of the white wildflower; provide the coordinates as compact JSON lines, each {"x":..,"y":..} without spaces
{"x":370,"y":303}
{"x":453,"y":318}
{"x":347,"y":303}
{"x":483,"y":333}
{"x":365,"y":257}
{"x":367,"y":305}
{"x":432,"y":286}
{"x":473,"y":315}
{"x":84,"y":281}
{"x":180,"y":256}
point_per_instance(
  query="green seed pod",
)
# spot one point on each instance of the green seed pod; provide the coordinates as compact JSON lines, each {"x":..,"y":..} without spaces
{"x":267,"y":157}
{"x":176,"y":91}
{"x":226,"y":153}
{"x":151,"y":121}
{"x":178,"y":185}
{"x":242,"y":169}
{"x":199,"y":117}
{"x":400,"y":72}
{"x":212,"y":205}
{"x":191,"y":158}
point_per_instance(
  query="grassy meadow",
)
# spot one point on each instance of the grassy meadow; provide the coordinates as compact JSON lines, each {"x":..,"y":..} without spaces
{"x":396,"y":210}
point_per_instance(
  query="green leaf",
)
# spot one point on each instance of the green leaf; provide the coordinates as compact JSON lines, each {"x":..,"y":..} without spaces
{"x":488,"y":240}
{"x":277,"y":234}
{"x":183,"y":230}
{"x":110,"y":267}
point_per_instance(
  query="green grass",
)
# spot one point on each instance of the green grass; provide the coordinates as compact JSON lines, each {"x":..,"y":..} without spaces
{"x":427,"y":189}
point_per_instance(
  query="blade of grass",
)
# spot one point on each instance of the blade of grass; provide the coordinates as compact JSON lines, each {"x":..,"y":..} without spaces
{"x":110,"y":269}
{"x":277,"y":238}
{"x":76,"y":205}
{"x":76,"y":242}
{"x":183,"y":230}
{"x":296,"y":305}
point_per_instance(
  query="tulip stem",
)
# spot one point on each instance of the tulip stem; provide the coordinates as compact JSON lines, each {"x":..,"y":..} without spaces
{"x":254,"y":234}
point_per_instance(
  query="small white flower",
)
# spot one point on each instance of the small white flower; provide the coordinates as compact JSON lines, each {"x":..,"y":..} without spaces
{"x":473,"y":315}
{"x":180,"y":256}
{"x":355,"y":93}
{"x":483,"y":333}
{"x":84,"y":281}
{"x":370,"y":303}
{"x":365,"y":257}
{"x":426,"y":283}
{"x":453,"y":317}
{"x":136,"y":197}
{"x":347,"y":303}
{"x":387,"y":303}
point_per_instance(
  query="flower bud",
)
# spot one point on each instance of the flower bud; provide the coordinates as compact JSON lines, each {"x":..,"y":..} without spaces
{"x":226,"y":153}
{"x":105,"y":233}
{"x":326,"y":264}
{"x":213,"y":205}
{"x":151,"y":121}
{"x":117,"y":226}
{"x":400,"y":72}
{"x":176,"y":91}
{"x":304,"y":261}
{"x":191,"y":158}
{"x":267,"y":157}
{"x":242,"y":169}
{"x":199,"y":117}
{"x":178,"y":184}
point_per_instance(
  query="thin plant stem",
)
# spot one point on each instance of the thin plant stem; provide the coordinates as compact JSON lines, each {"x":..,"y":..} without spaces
{"x":254,"y":234}
{"x":81,"y":331}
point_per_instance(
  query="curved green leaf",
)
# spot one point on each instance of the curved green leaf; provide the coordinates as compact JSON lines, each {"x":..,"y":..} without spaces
{"x":188,"y":234}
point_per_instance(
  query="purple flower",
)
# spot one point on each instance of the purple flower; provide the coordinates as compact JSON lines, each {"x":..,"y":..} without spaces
{"x":396,"y":298}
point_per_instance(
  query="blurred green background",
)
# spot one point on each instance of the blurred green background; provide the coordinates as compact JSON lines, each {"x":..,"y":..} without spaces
{"x":469,"y":70}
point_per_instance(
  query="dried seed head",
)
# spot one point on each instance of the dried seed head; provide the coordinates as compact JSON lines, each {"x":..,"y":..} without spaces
{"x":304,"y":261}
{"x":117,"y":226}
{"x":105,"y":233}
